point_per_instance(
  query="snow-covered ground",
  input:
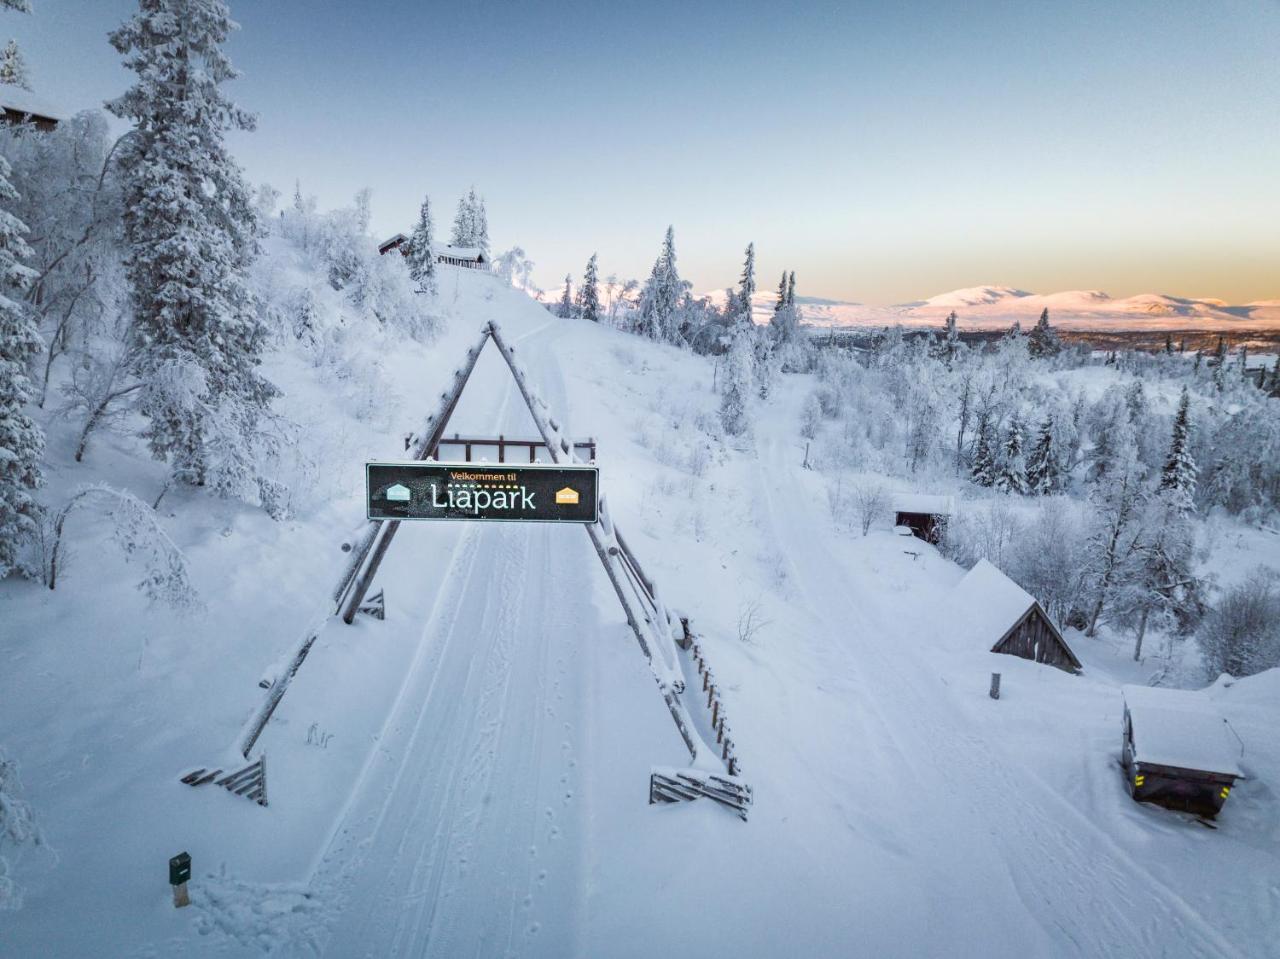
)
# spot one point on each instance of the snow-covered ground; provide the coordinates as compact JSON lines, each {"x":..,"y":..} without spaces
{"x":470,"y":776}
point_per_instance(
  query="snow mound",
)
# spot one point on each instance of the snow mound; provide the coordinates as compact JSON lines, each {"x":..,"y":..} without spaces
{"x":976,"y":296}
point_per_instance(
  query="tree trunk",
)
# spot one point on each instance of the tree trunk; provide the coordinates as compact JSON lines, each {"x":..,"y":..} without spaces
{"x":1142,"y":629}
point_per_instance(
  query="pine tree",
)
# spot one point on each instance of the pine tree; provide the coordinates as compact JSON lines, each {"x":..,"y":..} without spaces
{"x":421,"y":256}
{"x":657,"y":317}
{"x":1244,"y":361}
{"x":480,"y":221}
{"x":1168,"y":343}
{"x":791,"y":289}
{"x":1044,"y":471}
{"x":13,"y":68}
{"x":1275,"y":378}
{"x":984,"y":459}
{"x":566,"y":300}
{"x":1178,"y":478}
{"x":21,"y":440}
{"x":1011,"y":475}
{"x":747,"y":282}
{"x":1220,"y":370}
{"x":782,"y":293}
{"x":734,"y":409}
{"x":464,"y":222}
{"x":1043,"y":341}
{"x":190,"y":235}
{"x":589,"y":294}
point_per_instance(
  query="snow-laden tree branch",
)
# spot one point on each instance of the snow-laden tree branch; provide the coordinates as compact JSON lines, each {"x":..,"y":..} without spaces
{"x":137,"y":531}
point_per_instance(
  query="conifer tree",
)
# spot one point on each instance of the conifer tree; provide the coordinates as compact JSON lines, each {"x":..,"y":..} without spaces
{"x":421,"y":256}
{"x":566,"y":300}
{"x":13,"y":68}
{"x":1168,"y":343}
{"x":747,"y":282}
{"x":190,"y":234}
{"x":739,"y":362}
{"x":480,"y":220}
{"x":791,"y":289}
{"x":657,"y":317}
{"x":1043,"y":341}
{"x":1220,"y":370}
{"x":21,"y":440}
{"x":1244,"y":361}
{"x":984,"y":458}
{"x":1178,"y":477}
{"x":589,"y":293}
{"x":782,"y":293}
{"x":1275,"y":378}
{"x":1044,"y":471}
{"x":1011,"y":475}
{"x":464,"y":222}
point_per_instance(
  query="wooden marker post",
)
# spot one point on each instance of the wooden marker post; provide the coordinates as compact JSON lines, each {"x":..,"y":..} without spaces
{"x":179,"y":873}
{"x":995,"y":685}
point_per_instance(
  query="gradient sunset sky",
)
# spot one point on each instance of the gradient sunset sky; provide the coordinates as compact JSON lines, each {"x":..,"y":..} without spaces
{"x":884,"y":151}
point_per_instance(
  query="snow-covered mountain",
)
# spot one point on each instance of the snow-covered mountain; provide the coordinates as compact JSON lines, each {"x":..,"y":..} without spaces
{"x":996,"y":307}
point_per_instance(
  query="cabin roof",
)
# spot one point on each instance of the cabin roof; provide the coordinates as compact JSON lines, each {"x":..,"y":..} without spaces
{"x":1180,"y":728}
{"x":397,"y":238}
{"x":924,"y":503}
{"x":461,"y":252}
{"x":986,"y":604}
{"x":24,"y":101}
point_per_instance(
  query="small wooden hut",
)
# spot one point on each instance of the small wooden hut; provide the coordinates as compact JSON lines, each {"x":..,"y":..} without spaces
{"x":926,"y":516}
{"x":21,"y":106}
{"x":1177,"y":751}
{"x":396,"y":242}
{"x":999,"y":615}
{"x":467,"y":257}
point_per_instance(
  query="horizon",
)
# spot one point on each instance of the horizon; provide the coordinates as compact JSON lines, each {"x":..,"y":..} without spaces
{"x":885,"y":156}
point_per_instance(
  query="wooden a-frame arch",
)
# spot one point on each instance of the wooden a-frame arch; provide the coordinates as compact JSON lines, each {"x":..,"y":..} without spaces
{"x":670,"y":647}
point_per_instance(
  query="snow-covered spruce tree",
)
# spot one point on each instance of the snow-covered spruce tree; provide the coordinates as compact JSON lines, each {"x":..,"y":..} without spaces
{"x":1044,"y":471}
{"x":21,"y":440}
{"x":791,"y":289}
{"x":1178,"y":477}
{"x":984,"y":457}
{"x":189,"y":230}
{"x":1117,"y":501}
{"x":1274,"y":389}
{"x":657,"y":316}
{"x":782,"y":294}
{"x":589,"y":292}
{"x":1043,"y":341}
{"x":737,"y":384}
{"x":566,"y":300}
{"x":1011,"y":474}
{"x":1220,"y":369}
{"x":17,"y":828}
{"x":13,"y":68}
{"x":481,"y":220}
{"x":747,"y":281}
{"x":464,"y":223}
{"x":951,"y":339}
{"x":421,"y":258}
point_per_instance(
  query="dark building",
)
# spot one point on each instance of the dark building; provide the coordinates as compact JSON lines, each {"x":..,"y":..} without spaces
{"x":926,"y":516}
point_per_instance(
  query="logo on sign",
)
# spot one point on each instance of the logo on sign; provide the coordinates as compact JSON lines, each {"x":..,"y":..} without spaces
{"x":567,"y":496}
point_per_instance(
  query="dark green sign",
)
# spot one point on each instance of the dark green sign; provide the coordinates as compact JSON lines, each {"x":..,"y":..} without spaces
{"x":493,"y":492}
{"x":179,"y":869}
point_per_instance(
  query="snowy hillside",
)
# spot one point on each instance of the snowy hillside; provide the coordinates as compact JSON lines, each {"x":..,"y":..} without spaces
{"x":998,"y":307}
{"x":469,"y":776}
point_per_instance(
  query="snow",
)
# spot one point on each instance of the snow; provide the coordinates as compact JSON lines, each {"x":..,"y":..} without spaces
{"x":985,"y":605}
{"x":24,"y":101}
{"x":1180,"y":728}
{"x":924,"y":503}
{"x":470,"y":776}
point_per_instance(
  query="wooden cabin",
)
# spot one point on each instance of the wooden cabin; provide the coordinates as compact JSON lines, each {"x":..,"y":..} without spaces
{"x":467,"y":257}
{"x":21,"y":106}
{"x":1177,"y":750}
{"x":926,"y":516}
{"x":397,"y":242}
{"x":998,"y":615}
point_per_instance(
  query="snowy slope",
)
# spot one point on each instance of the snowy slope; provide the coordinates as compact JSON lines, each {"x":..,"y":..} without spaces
{"x":470,"y":776}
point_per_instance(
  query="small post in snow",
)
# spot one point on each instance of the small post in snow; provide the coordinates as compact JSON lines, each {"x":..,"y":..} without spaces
{"x":179,"y":873}
{"x":995,"y":685}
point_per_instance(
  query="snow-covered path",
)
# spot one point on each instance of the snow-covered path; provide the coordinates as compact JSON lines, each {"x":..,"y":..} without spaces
{"x":462,"y":836}
{"x":1006,"y":836}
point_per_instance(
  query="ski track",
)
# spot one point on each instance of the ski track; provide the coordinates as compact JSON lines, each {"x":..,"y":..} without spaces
{"x":462,"y":835}
{"x":1100,"y":906}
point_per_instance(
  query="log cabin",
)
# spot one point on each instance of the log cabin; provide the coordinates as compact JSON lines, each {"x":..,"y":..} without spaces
{"x":21,"y":107}
{"x":926,"y":516}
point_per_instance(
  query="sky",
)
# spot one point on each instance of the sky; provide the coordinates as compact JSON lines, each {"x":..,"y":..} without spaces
{"x":886,"y":152}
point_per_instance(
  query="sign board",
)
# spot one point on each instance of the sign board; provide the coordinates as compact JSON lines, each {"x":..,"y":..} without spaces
{"x":492,"y":492}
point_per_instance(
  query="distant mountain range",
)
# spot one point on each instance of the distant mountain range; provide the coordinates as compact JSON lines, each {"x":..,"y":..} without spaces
{"x":997,"y":307}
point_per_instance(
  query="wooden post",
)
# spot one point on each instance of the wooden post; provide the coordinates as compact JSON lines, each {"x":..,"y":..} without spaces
{"x":502,"y":449}
{"x":995,"y":685}
{"x":180,"y":897}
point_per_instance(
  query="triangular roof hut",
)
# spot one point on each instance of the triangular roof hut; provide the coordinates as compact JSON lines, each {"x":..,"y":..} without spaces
{"x":1000,"y":616}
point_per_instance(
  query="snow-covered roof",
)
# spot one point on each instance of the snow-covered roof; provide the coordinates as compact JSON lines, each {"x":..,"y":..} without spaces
{"x":1180,"y":727}
{"x":923,"y":503}
{"x":398,"y":238}
{"x":24,"y":101}
{"x":985,"y":604}
{"x":459,"y":252}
